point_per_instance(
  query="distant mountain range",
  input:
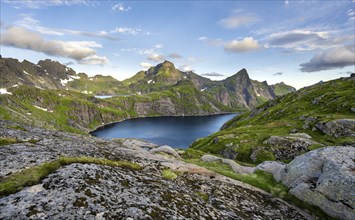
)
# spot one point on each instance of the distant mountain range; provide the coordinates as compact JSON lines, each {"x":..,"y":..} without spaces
{"x":52,"y":95}
{"x":237,"y":91}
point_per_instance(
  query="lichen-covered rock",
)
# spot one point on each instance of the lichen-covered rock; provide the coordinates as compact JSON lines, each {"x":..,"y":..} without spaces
{"x":277,"y":169}
{"x":136,"y":143}
{"x":235,"y":167}
{"x":338,"y":128}
{"x":288,"y":147}
{"x":165,"y":149}
{"x":229,"y":152}
{"x":325,"y":177}
{"x":91,"y":191}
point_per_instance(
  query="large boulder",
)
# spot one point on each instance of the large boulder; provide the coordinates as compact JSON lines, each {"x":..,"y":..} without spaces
{"x":165,"y":149}
{"x":338,"y":128}
{"x":235,"y":167}
{"x":277,"y":169}
{"x":326,"y":178}
{"x":288,"y":147}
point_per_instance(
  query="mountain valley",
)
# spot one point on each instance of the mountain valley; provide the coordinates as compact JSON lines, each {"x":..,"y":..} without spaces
{"x":47,"y":111}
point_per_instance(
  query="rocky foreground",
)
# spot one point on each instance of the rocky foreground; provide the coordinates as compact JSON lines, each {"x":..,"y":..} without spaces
{"x":92,"y":191}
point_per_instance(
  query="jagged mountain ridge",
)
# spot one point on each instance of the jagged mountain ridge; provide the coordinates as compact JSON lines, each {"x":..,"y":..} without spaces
{"x":237,"y":91}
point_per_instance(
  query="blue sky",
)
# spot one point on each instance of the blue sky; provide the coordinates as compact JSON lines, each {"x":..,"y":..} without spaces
{"x":297,"y":42}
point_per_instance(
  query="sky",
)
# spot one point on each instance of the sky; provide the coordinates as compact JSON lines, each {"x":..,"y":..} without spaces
{"x":299,"y":42}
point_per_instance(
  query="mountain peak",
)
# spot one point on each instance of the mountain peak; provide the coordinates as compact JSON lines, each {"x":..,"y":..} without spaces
{"x":167,"y":64}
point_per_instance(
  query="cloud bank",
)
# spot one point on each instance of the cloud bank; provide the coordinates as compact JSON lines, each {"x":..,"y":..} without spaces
{"x":81,"y":51}
{"x":145,"y":65}
{"x":244,"y":45}
{"x":237,"y":19}
{"x":156,"y":57}
{"x":213,"y":74}
{"x":333,"y":58}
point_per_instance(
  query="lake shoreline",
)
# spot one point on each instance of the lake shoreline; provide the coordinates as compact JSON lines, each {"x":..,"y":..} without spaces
{"x":111,"y":123}
{"x":176,"y":131}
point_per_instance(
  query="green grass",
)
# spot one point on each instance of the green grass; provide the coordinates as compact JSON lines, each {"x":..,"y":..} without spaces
{"x":169,"y":174}
{"x":28,"y":177}
{"x":17,"y":127}
{"x":261,"y":180}
{"x":7,"y":141}
{"x":323,"y":102}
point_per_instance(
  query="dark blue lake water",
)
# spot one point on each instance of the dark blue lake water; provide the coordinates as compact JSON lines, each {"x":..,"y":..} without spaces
{"x":177,"y":132}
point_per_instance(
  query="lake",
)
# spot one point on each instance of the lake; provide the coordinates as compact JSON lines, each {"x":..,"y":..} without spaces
{"x":177,"y":132}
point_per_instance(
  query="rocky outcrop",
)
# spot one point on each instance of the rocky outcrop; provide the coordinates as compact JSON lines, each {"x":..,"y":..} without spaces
{"x":161,"y":106}
{"x":288,"y":147}
{"x":338,"y":128}
{"x":235,"y":167}
{"x":324,"y":177}
{"x":92,"y":191}
{"x":277,"y":169}
{"x":165,"y":149}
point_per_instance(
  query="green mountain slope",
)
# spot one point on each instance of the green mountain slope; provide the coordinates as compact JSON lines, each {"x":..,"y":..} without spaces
{"x":59,"y":109}
{"x":237,"y":91}
{"x":279,"y":128}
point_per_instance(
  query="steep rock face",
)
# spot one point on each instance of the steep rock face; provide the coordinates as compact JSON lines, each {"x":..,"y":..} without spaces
{"x":240,"y":91}
{"x":91,"y":191}
{"x":161,"y":106}
{"x":46,"y":74}
{"x":325,"y":178}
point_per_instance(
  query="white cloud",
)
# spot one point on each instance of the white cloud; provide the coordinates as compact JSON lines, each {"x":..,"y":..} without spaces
{"x":278,"y":74}
{"x":237,"y":19}
{"x":332,"y":58}
{"x":244,"y":45}
{"x":145,"y":65}
{"x":30,"y":23}
{"x":351,"y":15}
{"x":94,"y":60}
{"x":192,"y":59}
{"x":175,"y":56}
{"x":299,"y":39}
{"x":120,"y":7}
{"x":125,"y":30}
{"x":213,"y":74}
{"x":202,"y":38}
{"x":185,"y":68}
{"x":78,"y":50}
{"x":155,"y":57}
{"x":36,"y":4}
{"x":158,"y":46}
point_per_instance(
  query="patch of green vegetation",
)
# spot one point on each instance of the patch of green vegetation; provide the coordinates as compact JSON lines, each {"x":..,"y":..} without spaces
{"x":322,"y":102}
{"x":33,"y":141}
{"x":202,"y":195}
{"x":259,"y":179}
{"x":17,"y":127}
{"x":28,"y":177}
{"x":169,"y":174}
{"x":264,"y":155}
{"x":190,"y":153}
{"x":7,"y":141}
{"x":67,"y":110}
{"x":315,"y":146}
